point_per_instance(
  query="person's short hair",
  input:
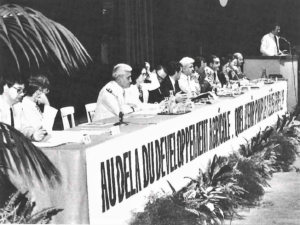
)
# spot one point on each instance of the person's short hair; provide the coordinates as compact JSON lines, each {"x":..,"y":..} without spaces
{"x":186,"y":60}
{"x":173,"y":67}
{"x":119,"y":69}
{"x":11,"y":79}
{"x":273,"y":25}
{"x":37,"y":82}
{"x":199,"y":60}
{"x":236,"y":55}
{"x":136,"y":72}
{"x":228,"y":58}
{"x":160,"y":67}
{"x":211,"y":59}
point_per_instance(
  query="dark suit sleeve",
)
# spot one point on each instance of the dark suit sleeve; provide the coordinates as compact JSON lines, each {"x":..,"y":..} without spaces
{"x":165,"y":90}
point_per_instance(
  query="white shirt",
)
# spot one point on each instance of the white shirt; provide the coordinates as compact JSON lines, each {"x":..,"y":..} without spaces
{"x":268,"y":45}
{"x":186,"y":84}
{"x":173,"y":82}
{"x":132,"y":97}
{"x":20,"y":122}
{"x":154,"y":82}
{"x":109,"y":104}
{"x":33,"y":116}
{"x":212,"y":77}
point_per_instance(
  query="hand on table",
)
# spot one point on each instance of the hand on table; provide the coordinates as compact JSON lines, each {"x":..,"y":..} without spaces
{"x":39,"y":134}
{"x":181,"y":97}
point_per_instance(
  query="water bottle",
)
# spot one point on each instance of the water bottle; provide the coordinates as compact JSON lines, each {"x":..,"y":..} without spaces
{"x":264,"y":74}
{"x":171,"y":102}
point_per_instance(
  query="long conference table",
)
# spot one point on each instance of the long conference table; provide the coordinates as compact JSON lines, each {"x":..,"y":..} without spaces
{"x":104,"y":181}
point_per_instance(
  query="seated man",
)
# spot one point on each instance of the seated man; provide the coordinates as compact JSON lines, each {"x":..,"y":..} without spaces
{"x":199,"y":65}
{"x":239,"y":63}
{"x":156,"y":94}
{"x":186,"y":84}
{"x":11,"y":113}
{"x":211,"y":71}
{"x":170,"y":83}
{"x":111,"y":97}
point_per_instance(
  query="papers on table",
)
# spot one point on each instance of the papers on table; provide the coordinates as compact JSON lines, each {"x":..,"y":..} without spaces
{"x":48,"y":118}
{"x":56,"y":138}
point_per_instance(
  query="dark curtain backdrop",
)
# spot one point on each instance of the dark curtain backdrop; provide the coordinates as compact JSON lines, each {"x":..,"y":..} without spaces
{"x":135,"y":24}
{"x":204,"y":27}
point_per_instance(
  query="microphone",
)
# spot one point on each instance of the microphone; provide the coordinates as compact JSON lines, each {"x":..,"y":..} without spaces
{"x":285,"y":40}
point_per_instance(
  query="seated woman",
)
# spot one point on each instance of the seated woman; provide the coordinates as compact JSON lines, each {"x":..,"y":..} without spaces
{"x":136,"y":93}
{"x":38,"y":87}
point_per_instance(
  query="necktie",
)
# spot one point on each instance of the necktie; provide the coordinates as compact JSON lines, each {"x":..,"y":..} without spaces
{"x":12,"y":122}
{"x":276,"y":44}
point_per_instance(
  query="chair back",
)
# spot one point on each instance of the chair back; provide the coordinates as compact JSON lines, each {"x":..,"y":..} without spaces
{"x":65,"y":112}
{"x":90,"y":111}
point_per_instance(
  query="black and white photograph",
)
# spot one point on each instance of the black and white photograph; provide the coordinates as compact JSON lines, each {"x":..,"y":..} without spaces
{"x":149,"y":112}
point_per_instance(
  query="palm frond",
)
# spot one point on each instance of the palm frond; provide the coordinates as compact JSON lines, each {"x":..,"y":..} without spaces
{"x":33,"y":33}
{"x":18,"y":154}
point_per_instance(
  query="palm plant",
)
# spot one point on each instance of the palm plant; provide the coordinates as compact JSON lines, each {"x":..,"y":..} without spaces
{"x":27,"y":31}
{"x":15,"y":213}
{"x":20,"y":156}
{"x":40,"y":38}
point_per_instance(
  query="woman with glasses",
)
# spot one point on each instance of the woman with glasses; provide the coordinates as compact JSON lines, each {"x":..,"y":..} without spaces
{"x":138,"y":94}
{"x":38,"y":87}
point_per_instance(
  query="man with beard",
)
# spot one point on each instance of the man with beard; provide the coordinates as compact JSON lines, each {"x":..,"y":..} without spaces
{"x":239,"y":63}
{"x":11,"y":113}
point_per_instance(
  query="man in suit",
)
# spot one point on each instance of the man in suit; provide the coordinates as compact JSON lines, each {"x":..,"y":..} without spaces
{"x":170,"y":83}
{"x":111,"y":100}
{"x":211,"y":71}
{"x":156,"y":94}
{"x":269,"y":43}
{"x":199,"y":65}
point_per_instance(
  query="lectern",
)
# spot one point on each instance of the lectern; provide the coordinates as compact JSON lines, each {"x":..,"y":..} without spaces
{"x":287,"y":66}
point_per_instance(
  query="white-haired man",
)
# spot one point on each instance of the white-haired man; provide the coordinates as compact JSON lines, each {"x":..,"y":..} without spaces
{"x":111,"y":97}
{"x":186,"y":84}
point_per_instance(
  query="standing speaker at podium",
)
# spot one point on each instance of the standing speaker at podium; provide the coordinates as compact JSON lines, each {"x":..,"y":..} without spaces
{"x":269,"y":43}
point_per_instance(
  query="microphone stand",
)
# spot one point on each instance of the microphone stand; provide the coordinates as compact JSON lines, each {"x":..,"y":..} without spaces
{"x":290,"y":49}
{"x":121,"y":113}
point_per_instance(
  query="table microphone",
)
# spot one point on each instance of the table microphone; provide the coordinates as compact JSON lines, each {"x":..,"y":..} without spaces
{"x":284,"y":40}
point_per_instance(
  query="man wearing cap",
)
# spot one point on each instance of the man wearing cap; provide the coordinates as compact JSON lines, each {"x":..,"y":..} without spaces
{"x":187,"y":84}
{"x":111,"y":97}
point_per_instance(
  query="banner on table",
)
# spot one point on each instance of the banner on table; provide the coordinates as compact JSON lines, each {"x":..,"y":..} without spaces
{"x":123,"y":168}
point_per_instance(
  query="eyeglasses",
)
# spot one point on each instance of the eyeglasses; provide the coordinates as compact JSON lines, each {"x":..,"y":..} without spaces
{"x":146,"y":75}
{"x":160,"y":78}
{"x":20,"y":90}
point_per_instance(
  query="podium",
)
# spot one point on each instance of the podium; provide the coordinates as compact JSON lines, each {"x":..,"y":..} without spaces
{"x":286,"y":65}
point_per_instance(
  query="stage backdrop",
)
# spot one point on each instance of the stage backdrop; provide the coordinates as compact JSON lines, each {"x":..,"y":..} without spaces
{"x":121,"y":172}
